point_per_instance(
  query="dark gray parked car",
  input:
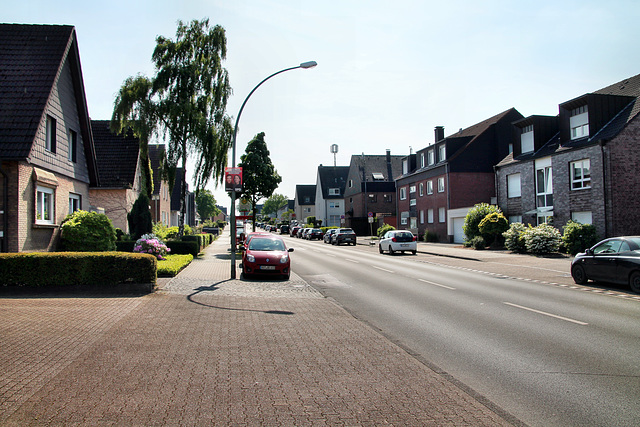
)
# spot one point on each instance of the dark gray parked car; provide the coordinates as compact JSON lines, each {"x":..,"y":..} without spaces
{"x":343,"y":235}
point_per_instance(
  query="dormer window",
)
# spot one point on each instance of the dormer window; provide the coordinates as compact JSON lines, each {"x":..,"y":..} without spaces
{"x":422,"y":160}
{"x":442,"y":153}
{"x":579,"y":122}
{"x":334,"y":191}
{"x":377,"y":176}
{"x":431,"y":157}
{"x":526,"y":139}
{"x":405,"y":166}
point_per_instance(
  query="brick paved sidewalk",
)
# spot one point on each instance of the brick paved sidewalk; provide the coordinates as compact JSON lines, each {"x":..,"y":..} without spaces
{"x":208,"y":350}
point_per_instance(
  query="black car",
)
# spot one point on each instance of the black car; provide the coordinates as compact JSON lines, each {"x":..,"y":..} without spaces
{"x":315,"y":233}
{"x":615,"y":260}
{"x":284,"y":229}
{"x":343,"y":235}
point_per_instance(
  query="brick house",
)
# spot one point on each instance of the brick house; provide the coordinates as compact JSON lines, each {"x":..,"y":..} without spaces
{"x":161,"y":197}
{"x":47,"y":155}
{"x":371,"y":189}
{"x":580,"y":165}
{"x":304,"y":202}
{"x":440,"y":183}
{"x":190,"y":200}
{"x":119,"y":169}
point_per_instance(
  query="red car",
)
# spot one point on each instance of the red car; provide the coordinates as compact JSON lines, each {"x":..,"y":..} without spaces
{"x":266,"y":255}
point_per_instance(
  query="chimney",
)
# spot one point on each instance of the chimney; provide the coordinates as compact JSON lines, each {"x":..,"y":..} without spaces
{"x":389,"y":170}
{"x":439,"y":131}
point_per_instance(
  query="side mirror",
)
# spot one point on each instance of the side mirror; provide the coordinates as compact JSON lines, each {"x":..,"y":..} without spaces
{"x":588,"y":251}
{"x":241,"y":247}
{"x":290,"y":249}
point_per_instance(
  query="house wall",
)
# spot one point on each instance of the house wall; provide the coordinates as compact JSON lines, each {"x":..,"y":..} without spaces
{"x":624,"y":181}
{"x":161,"y":208}
{"x":117,"y":203}
{"x":469,"y":189}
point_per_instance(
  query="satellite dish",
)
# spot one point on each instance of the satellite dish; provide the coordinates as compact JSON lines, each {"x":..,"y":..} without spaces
{"x":334,"y":150}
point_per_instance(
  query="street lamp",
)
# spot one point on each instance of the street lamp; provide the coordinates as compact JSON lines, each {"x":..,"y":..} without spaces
{"x":309,"y":64}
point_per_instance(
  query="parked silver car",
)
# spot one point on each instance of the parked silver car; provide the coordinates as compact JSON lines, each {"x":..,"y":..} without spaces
{"x":398,"y":241}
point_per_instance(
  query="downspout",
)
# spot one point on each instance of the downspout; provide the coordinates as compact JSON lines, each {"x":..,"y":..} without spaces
{"x":605,"y":169}
{"x":3,"y":208}
{"x":449,"y":225}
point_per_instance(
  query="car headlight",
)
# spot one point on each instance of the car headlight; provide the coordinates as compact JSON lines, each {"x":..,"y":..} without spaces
{"x":251,"y":258}
{"x":284,"y":259}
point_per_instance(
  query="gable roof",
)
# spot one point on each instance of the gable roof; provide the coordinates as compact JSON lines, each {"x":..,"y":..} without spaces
{"x":116,"y":156}
{"x":306,"y":191}
{"x":31,"y":58}
{"x":332,"y":177}
{"x":377,"y":164}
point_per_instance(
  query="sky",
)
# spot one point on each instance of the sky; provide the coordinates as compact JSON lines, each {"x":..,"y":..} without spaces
{"x":388,"y":72}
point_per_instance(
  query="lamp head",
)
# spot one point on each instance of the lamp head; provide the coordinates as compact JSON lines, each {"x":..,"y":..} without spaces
{"x":309,"y":64}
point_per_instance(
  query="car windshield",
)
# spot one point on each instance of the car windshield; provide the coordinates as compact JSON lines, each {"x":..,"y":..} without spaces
{"x":346,"y":230}
{"x":403,"y":237}
{"x":257,"y":244}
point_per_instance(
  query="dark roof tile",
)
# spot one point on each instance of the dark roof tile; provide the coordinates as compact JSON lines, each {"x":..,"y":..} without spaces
{"x":116,"y":156}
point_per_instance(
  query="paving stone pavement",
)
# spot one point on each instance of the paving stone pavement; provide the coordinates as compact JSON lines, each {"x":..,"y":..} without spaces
{"x":208,"y":350}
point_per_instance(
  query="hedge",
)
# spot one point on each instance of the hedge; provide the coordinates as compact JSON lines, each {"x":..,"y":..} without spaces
{"x":59,"y":269}
{"x":179,"y":247}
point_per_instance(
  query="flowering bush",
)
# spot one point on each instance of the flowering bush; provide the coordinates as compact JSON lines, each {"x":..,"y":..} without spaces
{"x":151,"y":244}
{"x":514,"y":237}
{"x":543,"y":239}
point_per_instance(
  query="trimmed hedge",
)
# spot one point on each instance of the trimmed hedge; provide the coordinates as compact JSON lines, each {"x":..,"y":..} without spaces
{"x":59,"y":269}
{"x":173,"y":265}
{"x":179,"y":247}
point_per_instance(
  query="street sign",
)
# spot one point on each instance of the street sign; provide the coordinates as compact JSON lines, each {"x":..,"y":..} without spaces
{"x":370,"y":215}
{"x":370,"y":219}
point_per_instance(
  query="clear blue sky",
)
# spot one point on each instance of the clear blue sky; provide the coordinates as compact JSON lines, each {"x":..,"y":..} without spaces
{"x":388,"y":72}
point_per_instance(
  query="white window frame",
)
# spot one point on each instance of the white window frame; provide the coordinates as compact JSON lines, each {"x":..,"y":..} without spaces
{"x":73,"y":146}
{"x":431,"y":157}
{"x":442,"y":215}
{"x":526,"y":139}
{"x":583,"y":181}
{"x":50,"y":137}
{"x":421,"y":217}
{"x":514,"y":186}
{"x":441,"y":185}
{"x":429,"y":187}
{"x":544,"y":183}
{"x":430,"y":216}
{"x":404,"y":218}
{"x":45,"y":202}
{"x":585,"y":217}
{"x":442,"y":153}
{"x":405,"y":166}
{"x":75,"y":202}
{"x":421,"y":189}
{"x":422,"y":160}
{"x":579,"y":122}
{"x":412,"y":189}
{"x":412,"y":202}
{"x":334,"y":191}
{"x":403,"y":193}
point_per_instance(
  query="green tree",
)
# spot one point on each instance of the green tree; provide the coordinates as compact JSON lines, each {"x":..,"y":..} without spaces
{"x":185,"y":102}
{"x":139,"y":218}
{"x":206,"y":205}
{"x":259,"y":177}
{"x":273,"y":204}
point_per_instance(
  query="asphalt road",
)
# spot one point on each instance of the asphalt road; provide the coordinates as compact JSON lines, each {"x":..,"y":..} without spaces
{"x":548,"y":355}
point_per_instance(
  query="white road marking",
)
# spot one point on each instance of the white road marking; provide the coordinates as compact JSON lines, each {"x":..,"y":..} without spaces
{"x":547,"y":314}
{"x":437,"y":284}
{"x":383,"y":269}
{"x":352,"y":260}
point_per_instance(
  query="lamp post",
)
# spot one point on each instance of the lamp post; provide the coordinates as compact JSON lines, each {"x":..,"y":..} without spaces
{"x":309,"y":64}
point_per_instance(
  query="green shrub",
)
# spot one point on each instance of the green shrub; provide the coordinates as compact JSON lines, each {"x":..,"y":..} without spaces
{"x":577,"y":237}
{"x":125,"y":245}
{"x":478,"y":243}
{"x":514,"y":237}
{"x":85,"y":231}
{"x":325,"y":229}
{"x":494,"y":225}
{"x":139,"y":218}
{"x":173,"y":265}
{"x":472,"y":221}
{"x":39,"y":269}
{"x":382,"y":230}
{"x":430,"y":236}
{"x":543,"y":239}
{"x":179,"y":247}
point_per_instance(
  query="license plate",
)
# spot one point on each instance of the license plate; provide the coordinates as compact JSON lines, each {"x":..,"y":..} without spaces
{"x":267,"y":267}
{"x":404,"y":246}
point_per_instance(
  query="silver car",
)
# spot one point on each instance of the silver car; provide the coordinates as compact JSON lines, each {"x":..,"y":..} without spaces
{"x":398,"y":241}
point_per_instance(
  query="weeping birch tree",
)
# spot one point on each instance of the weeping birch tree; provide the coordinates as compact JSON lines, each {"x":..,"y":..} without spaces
{"x":184,"y":103}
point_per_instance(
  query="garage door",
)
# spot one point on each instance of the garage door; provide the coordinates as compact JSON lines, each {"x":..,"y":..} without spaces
{"x":458,"y":234}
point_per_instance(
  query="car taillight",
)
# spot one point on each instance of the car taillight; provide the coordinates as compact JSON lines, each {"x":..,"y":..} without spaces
{"x":394,"y":240}
{"x":415,"y":238}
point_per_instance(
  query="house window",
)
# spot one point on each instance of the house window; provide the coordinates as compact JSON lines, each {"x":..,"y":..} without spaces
{"x":388,"y":198}
{"x":441,"y":185}
{"x":334,"y":204}
{"x":421,"y":160}
{"x":513,"y":186}
{"x":412,"y":189}
{"x":429,"y":187}
{"x":45,"y":198}
{"x":421,"y":187}
{"x":526,"y":139}
{"x":412,"y":202}
{"x":350,"y":183}
{"x":580,"y":174}
{"x":334,"y":221}
{"x":582,"y":217}
{"x":403,"y":193}
{"x":414,"y":222}
{"x":405,"y":166}
{"x":421,"y":217}
{"x":307,"y":199}
{"x":307,"y":210}
{"x":442,"y":215}
{"x":430,"y":216}
{"x":373,"y":198}
{"x":73,"y":145}
{"x":404,"y":218}
{"x":515,"y":218}
{"x":74,"y":203}
{"x":50,"y":142}
{"x":334,"y":191}
{"x":442,"y":153}
{"x":579,"y":122}
{"x":544,"y":187}
{"x":430,"y":157}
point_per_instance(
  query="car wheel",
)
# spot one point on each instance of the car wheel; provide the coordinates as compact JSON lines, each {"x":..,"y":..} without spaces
{"x":634,"y":282}
{"x":414,"y":252}
{"x":391,"y":251}
{"x":380,"y":249}
{"x":579,"y":275}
